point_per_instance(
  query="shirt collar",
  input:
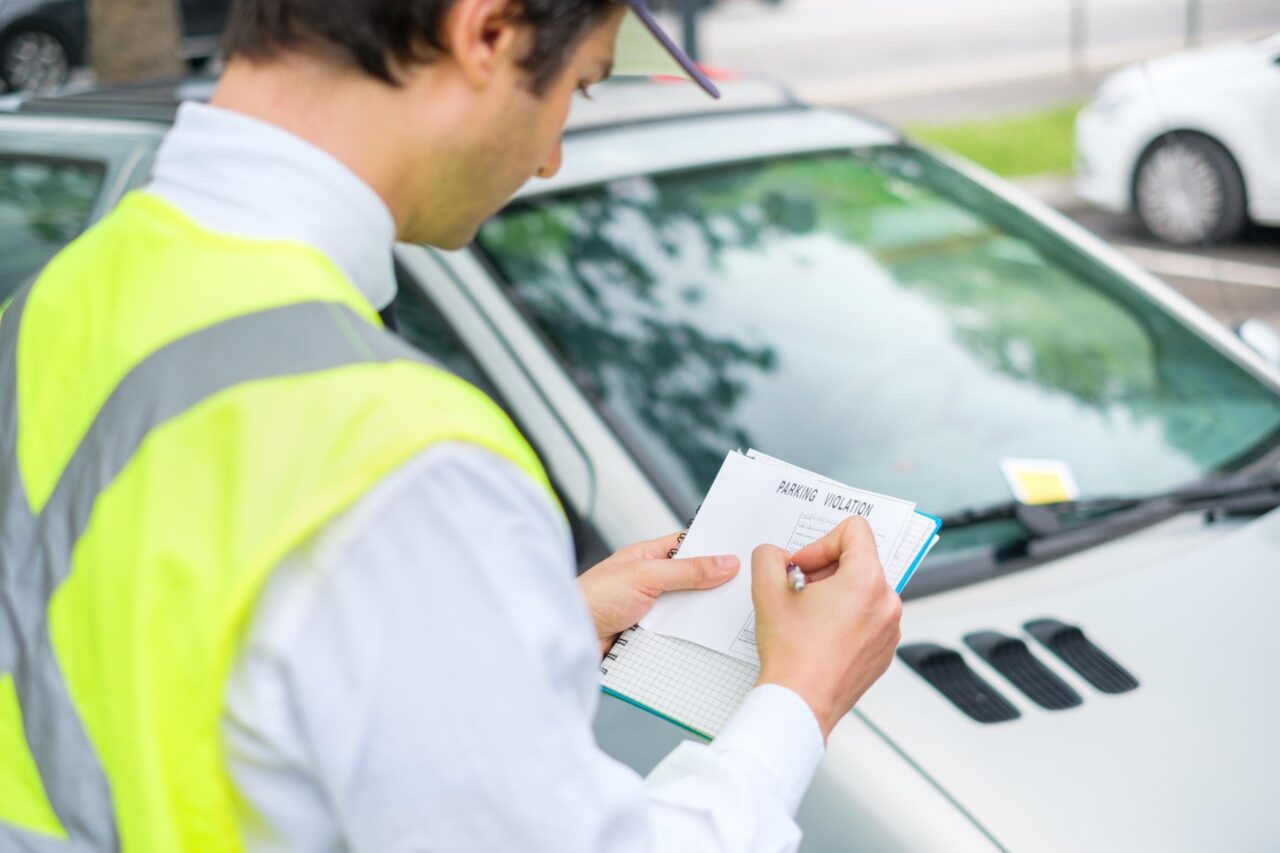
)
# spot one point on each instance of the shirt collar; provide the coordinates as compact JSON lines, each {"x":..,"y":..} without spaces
{"x":237,"y":175}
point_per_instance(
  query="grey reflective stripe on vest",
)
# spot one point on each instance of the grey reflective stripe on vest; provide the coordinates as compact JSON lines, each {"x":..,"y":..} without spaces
{"x":35,"y":552}
{"x":24,"y":647}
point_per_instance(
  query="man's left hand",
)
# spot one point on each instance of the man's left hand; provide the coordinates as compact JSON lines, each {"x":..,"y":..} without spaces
{"x":621,"y":589}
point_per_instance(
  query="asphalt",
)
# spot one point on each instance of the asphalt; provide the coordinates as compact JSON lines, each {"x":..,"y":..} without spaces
{"x":939,"y":60}
{"x":1233,"y":282}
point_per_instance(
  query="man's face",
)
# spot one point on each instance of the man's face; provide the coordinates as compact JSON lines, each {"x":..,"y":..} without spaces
{"x":512,"y":135}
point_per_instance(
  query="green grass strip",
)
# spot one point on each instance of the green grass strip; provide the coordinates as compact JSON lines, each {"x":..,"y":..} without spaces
{"x":1032,"y":144}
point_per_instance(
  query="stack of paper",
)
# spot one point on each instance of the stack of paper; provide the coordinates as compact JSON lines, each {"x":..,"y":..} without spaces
{"x":693,"y":658}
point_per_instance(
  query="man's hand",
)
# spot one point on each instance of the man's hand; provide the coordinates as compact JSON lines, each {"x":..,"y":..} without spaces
{"x":830,"y":641}
{"x":620,"y":590}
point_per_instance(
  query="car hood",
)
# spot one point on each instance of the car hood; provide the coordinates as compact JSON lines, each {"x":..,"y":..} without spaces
{"x":1190,"y":760}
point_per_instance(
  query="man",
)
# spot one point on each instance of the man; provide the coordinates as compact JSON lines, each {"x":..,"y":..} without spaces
{"x":272,"y":582}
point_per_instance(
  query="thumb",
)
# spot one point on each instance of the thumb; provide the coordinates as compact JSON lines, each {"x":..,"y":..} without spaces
{"x":689,"y":572}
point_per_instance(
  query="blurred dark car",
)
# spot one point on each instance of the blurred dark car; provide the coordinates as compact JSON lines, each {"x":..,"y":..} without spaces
{"x":42,"y":40}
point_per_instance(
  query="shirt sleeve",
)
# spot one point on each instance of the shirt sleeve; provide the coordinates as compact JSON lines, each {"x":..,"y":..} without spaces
{"x":423,"y":675}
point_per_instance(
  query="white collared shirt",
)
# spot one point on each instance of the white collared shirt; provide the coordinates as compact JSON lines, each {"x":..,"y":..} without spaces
{"x":236,"y":175}
{"x":422,"y":674}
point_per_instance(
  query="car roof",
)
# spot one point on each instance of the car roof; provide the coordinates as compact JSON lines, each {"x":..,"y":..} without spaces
{"x":152,"y":101}
{"x":617,"y":103}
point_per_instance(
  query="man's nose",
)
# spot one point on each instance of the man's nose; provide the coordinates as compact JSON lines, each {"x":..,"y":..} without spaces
{"x":551,"y":165}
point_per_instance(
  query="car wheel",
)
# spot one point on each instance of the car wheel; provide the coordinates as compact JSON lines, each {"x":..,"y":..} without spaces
{"x":1187,"y":189}
{"x":34,"y":60}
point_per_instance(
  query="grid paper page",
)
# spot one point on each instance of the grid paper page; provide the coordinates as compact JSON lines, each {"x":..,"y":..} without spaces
{"x":683,"y":681}
{"x":919,"y":533}
{"x":697,"y":687}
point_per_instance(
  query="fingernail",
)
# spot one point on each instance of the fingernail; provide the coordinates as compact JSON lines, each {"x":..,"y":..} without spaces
{"x":726,"y":563}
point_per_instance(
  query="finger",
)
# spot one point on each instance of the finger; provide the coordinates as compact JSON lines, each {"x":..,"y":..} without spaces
{"x":862,"y":565}
{"x":821,"y":553}
{"x":851,"y":535}
{"x":819,"y":575}
{"x":656,"y":549}
{"x":688,"y":573}
{"x":862,"y":578}
{"x":768,"y":573}
{"x":663,"y":547}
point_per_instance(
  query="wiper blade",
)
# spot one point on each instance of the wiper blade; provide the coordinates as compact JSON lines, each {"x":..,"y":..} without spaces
{"x":1036,"y":516}
{"x":1242,"y":494}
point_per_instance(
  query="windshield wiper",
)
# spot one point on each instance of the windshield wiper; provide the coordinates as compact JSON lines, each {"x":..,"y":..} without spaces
{"x":1245,"y":495}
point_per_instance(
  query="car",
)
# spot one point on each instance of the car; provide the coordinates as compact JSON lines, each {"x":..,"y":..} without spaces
{"x":755,"y":272}
{"x":41,"y":41}
{"x":1187,"y":142}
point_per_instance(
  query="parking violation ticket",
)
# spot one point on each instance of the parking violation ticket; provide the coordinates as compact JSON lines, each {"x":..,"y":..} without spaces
{"x":755,"y":500}
{"x":693,"y":658}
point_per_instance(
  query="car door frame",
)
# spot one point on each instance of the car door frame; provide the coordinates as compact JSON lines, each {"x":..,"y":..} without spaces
{"x":564,"y":426}
{"x":124,"y":149}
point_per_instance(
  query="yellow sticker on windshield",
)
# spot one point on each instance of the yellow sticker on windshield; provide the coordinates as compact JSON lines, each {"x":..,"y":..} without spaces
{"x":1040,"y":481}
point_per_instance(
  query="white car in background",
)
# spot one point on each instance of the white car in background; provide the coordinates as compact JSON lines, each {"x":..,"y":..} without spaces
{"x":1189,"y":143}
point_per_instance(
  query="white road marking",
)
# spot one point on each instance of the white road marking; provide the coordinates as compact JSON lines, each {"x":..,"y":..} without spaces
{"x":1202,"y":268}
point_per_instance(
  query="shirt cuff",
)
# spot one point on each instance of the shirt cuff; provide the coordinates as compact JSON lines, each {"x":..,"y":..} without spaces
{"x":778,"y":729}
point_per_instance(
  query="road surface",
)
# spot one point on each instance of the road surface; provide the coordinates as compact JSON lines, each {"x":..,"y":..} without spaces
{"x":936,"y":60}
{"x":1232,"y":282}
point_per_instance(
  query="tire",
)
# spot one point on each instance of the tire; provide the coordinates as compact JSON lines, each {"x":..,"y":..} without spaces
{"x":34,"y":60}
{"x":1187,"y":190}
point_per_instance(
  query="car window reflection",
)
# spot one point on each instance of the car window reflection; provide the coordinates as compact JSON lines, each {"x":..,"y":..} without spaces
{"x":43,"y":205}
{"x":875,"y":316}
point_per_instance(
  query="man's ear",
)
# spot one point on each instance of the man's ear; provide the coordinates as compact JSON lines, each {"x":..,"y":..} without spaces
{"x":482,"y":36}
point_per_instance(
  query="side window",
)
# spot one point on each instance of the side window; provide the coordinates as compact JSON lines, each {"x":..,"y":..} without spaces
{"x":422,"y":325}
{"x":44,"y":203}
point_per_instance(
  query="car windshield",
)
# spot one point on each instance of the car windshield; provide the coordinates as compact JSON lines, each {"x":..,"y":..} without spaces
{"x":877,"y":317}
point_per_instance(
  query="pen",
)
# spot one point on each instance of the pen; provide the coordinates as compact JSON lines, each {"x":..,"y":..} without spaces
{"x":795,"y":577}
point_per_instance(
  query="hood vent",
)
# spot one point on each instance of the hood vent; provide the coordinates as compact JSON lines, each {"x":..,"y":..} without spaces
{"x":1011,"y":658}
{"x":1071,"y":645}
{"x":951,"y":676}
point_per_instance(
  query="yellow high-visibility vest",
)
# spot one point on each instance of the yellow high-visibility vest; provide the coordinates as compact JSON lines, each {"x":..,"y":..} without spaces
{"x":179,"y":410}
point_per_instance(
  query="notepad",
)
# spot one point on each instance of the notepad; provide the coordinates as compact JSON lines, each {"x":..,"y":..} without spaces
{"x":692,"y":659}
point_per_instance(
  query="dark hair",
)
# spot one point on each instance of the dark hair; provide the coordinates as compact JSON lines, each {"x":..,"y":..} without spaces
{"x":369,"y":33}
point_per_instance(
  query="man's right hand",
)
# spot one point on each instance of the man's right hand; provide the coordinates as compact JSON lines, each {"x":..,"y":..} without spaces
{"x":830,"y":641}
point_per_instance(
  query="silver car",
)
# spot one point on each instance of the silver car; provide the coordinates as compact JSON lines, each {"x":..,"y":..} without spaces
{"x":1095,"y":675}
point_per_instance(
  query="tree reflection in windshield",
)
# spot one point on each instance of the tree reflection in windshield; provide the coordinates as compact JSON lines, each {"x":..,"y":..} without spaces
{"x":876,"y":317}
{"x":627,"y":343}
